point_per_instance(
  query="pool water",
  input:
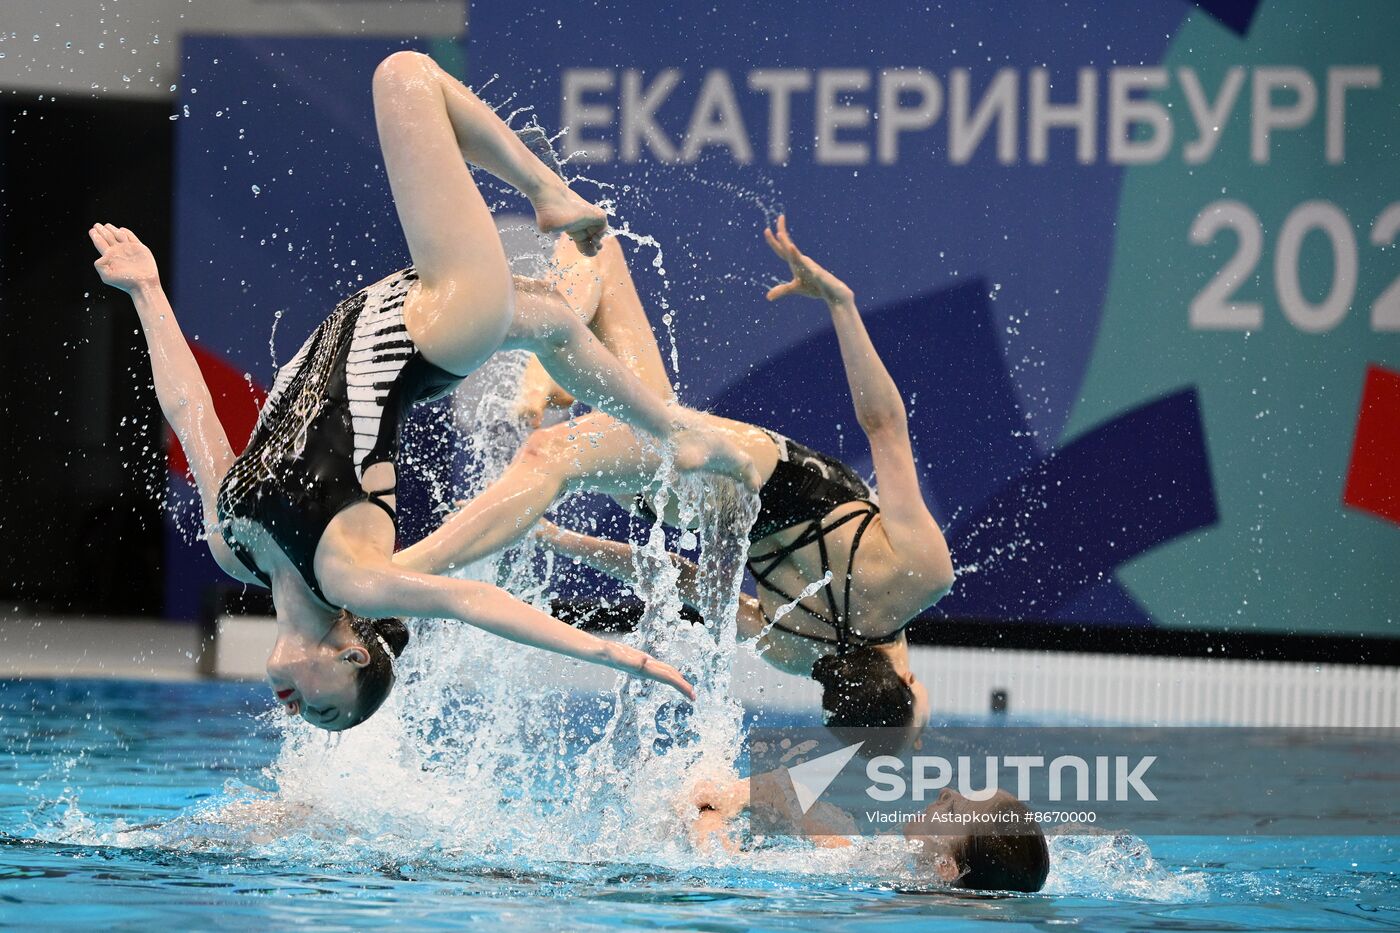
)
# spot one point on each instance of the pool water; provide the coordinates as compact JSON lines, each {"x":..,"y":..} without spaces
{"x":132,"y":804}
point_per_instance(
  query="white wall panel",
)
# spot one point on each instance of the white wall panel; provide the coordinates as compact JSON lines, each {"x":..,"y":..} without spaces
{"x":131,"y":48}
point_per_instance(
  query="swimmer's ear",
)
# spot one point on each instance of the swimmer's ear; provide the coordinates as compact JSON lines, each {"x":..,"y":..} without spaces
{"x":356,"y":655}
{"x":908,"y":678}
{"x":946,"y":869}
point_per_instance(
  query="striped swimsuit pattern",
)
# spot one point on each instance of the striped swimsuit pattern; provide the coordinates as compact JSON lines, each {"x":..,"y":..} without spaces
{"x":379,"y":348}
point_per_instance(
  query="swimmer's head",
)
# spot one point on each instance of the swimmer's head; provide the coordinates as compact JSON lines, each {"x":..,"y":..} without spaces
{"x":338,"y":682}
{"x":862,"y":690}
{"x":1013,"y":858}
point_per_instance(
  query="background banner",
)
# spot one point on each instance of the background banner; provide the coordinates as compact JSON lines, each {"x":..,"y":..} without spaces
{"x":1131,"y":264}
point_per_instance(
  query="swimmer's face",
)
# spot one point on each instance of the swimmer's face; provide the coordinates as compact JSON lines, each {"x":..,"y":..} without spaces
{"x":317,"y":680}
{"x":913,"y":740}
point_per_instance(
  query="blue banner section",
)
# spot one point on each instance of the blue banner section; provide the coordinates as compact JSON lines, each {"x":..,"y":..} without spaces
{"x":703,"y":127}
{"x":962,"y":169}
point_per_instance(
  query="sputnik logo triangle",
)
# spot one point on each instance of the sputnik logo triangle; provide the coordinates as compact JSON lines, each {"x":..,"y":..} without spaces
{"x":811,"y":778}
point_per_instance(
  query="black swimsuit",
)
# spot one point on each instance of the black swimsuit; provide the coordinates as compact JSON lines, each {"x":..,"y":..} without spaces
{"x":805,"y":487}
{"x":334,"y":411}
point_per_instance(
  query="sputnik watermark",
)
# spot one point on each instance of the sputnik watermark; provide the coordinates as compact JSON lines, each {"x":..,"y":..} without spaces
{"x":1112,"y":775}
{"x":1115,"y":777}
{"x":811,"y":778}
{"x":957,"y":780}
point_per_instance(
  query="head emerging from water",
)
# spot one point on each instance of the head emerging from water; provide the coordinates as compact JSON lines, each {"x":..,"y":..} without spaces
{"x":1013,"y":856}
{"x":339,"y":681}
{"x":863,"y":690}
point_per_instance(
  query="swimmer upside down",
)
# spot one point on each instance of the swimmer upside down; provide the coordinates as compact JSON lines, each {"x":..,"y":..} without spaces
{"x":816,"y":515}
{"x":307,"y":510}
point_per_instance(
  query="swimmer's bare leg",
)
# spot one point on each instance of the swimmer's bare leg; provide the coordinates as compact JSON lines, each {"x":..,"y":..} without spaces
{"x":538,"y":392}
{"x":464,"y":308}
{"x":594,"y":453}
{"x":602,"y":291}
{"x":620,"y":320}
{"x":428,"y":123}
{"x":557,"y":332}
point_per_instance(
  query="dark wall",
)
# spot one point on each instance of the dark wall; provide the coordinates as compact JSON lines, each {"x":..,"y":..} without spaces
{"x":83,"y":464}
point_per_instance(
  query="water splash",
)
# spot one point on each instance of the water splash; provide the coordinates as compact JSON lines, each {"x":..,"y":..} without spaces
{"x":1117,"y":865}
{"x":634,"y":780}
{"x":668,"y":320}
{"x":481,"y":758}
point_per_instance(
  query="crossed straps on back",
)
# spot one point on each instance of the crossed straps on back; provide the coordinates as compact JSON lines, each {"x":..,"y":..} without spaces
{"x":839,"y":619}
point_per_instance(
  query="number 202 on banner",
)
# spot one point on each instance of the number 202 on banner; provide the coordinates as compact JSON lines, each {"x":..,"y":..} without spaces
{"x":1213,"y":309}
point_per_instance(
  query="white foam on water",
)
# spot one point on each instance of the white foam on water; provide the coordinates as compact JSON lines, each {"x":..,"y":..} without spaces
{"x":1117,"y":865}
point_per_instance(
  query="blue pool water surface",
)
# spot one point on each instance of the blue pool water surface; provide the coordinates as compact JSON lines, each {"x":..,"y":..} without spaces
{"x":123,"y":809}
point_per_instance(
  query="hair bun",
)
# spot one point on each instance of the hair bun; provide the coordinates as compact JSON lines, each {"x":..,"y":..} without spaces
{"x":394,"y":633}
{"x":829,"y":670}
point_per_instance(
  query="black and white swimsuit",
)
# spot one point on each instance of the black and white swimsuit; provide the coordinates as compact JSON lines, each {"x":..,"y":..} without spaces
{"x":334,"y":411}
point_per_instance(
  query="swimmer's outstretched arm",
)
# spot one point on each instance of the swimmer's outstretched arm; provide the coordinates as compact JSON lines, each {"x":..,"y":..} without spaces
{"x":879,"y":406}
{"x":127,"y":264}
{"x":720,"y":802}
{"x":904,"y":517}
{"x":380,"y":590}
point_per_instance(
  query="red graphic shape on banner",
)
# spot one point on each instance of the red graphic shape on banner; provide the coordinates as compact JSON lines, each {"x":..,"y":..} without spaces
{"x":1373,"y":479}
{"x":236,"y":402}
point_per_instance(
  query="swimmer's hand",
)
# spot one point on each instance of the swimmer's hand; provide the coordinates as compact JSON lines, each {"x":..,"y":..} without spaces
{"x":125,"y":261}
{"x":808,"y":278}
{"x":560,"y":210}
{"x":640,"y":664}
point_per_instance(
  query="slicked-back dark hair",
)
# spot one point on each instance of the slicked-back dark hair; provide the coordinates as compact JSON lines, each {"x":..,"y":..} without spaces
{"x":384,"y":640}
{"x":1015,"y":860}
{"x":862,"y":689}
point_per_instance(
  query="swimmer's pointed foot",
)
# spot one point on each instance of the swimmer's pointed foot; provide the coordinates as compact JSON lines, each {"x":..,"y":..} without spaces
{"x":700,"y":449}
{"x":560,"y":210}
{"x":537,"y":141}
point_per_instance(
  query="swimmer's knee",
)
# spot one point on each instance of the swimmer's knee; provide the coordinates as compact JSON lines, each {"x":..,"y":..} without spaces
{"x":548,"y":449}
{"x":611,"y":250}
{"x":400,"y":69}
{"x":559,"y":328}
